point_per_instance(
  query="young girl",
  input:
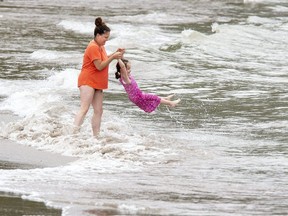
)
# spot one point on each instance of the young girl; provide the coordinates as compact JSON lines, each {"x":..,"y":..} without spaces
{"x":146,"y":102}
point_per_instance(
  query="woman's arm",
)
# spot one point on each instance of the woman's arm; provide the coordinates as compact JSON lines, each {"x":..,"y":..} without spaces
{"x":100,"y":65}
{"x":123,"y":71}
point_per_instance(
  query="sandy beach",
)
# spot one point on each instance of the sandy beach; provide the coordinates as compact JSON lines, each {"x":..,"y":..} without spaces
{"x":13,"y":205}
{"x":17,"y":156}
{"x":25,"y":156}
{"x":14,"y":153}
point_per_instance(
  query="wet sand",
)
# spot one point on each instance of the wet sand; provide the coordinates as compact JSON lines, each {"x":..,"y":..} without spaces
{"x":17,"y":156}
{"x":13,"y":205}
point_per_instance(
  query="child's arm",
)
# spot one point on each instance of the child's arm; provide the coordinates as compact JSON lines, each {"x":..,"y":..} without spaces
{"x":124,"y":73}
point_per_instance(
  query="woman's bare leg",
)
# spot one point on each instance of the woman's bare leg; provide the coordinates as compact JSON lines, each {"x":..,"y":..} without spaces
{"x":86,"y":97}
{"x":97,"y":104}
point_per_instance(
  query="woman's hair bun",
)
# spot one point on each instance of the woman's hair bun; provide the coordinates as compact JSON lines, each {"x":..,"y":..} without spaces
{"x":98,"y":21}
{"x":100,"y":27}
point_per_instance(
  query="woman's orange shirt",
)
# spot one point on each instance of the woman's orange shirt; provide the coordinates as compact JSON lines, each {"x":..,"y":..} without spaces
{"x":90,"y":75}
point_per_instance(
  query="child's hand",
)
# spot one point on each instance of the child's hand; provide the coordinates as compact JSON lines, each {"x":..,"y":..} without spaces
{"x":121,"y":63}
{"x":121,"y":50}
{"x":117,"y":55}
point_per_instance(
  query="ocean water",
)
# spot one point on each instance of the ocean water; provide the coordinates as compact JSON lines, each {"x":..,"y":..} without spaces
{"x":222,"y":151}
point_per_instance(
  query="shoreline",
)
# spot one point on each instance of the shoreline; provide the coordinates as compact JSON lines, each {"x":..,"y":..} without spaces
{"x":14,"y":205}
{"x":16,"y":156}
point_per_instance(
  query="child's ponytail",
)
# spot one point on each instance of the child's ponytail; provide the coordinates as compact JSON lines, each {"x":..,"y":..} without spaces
{"x":118,"y":68}
{"x":117,"y":73}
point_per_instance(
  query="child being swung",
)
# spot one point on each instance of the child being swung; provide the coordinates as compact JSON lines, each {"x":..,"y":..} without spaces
{"x":146,"y":102}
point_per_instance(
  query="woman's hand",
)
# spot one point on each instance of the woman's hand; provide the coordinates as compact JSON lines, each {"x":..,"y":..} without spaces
{"x":117,"y":55}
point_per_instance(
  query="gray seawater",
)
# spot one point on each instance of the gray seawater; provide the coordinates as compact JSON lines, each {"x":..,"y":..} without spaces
{"x":222,"y":151}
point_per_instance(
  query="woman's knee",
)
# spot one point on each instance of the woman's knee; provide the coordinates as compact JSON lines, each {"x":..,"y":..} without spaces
{"x":84,"y":110}
{"x":98,"y":111}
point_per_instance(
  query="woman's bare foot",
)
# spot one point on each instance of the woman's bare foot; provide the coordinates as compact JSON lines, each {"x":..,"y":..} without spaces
{"x":76,"y":129}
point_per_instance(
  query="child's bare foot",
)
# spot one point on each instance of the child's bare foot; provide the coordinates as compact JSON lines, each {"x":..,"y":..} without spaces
{"x":169,"y":97}
{"x":174,"y":103}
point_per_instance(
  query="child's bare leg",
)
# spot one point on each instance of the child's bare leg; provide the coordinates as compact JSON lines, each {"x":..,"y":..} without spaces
{"x":169,"y":103}
{"x":168,"y":97}
{"x":175,"y":102}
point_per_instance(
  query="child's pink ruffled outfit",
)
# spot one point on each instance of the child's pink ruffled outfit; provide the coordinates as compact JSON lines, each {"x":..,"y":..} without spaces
{"x":146,"y":102}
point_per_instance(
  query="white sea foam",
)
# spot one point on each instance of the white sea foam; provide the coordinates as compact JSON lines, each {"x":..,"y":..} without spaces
{"x":34,"y":98}
{"x":263,"y":1}
{"x":57,"y":56}
{"x":45,"y":54}
{"x":77,"y":26}
{"x":190,"y":35}
{"x":255,"y":1}
{"x":153,"y":18}
{"x":278,"y":8}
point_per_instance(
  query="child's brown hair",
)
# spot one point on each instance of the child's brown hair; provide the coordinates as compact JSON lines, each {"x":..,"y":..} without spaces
{"x":118,"y":68}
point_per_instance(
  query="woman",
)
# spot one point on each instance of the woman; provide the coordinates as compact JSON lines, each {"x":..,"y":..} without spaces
{"x":94,"y":75}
